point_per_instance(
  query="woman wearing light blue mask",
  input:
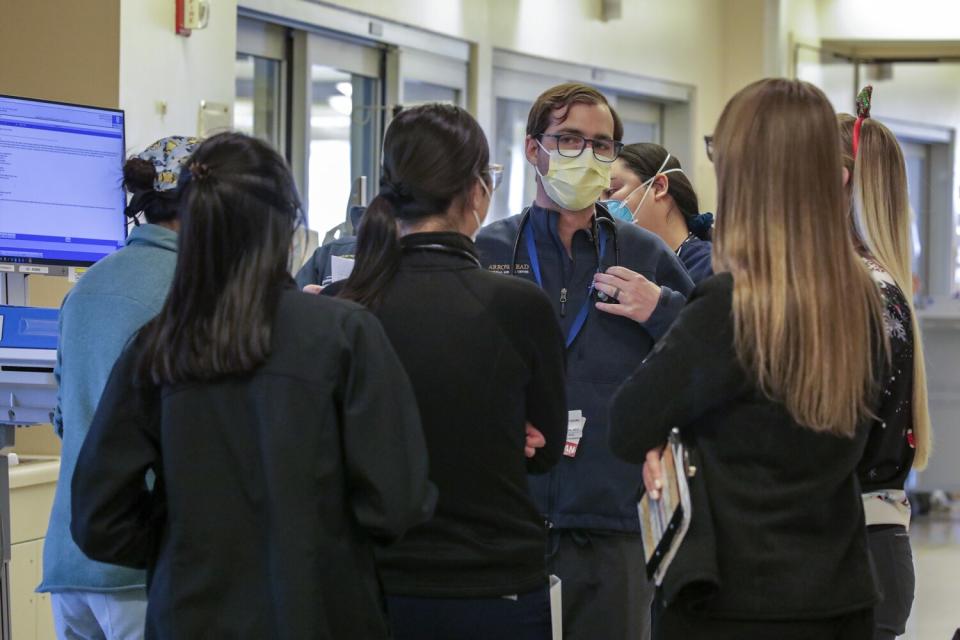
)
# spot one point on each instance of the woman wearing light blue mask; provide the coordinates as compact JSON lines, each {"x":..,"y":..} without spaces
{"x":648,"y":186}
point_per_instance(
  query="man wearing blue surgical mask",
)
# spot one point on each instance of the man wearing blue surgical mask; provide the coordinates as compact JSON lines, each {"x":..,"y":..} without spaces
{"x":616,"y":288}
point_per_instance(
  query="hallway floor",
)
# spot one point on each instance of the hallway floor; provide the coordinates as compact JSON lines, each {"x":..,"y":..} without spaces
{"x":936,"y":551}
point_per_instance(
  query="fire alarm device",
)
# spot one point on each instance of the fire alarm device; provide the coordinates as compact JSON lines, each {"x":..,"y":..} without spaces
{"x":191,"y":14}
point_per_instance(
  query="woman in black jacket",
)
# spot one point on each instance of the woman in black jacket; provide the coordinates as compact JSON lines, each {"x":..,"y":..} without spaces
{"x":280,"y":427}
{"x":485,"y":356}
{"x":771,"y":380}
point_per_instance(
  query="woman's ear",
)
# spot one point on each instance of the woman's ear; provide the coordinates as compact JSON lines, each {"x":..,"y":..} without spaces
{"x":846,"y":176}
{"x":661,"y":187}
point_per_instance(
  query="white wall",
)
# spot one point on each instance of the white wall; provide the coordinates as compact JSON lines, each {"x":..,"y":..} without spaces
{"x":889,"y":19}
{"x":158,"y":66}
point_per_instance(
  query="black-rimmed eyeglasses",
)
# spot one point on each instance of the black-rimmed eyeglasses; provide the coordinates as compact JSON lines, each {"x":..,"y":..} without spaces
{"x":571,"y":145}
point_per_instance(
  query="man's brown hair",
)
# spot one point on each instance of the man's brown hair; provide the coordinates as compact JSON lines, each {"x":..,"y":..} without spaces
{"x":563,"y":96}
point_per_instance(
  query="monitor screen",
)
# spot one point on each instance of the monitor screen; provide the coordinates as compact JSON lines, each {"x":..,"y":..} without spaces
{"x":61,"y":173}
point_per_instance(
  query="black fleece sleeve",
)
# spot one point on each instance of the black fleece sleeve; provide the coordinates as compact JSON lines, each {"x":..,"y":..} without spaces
{"x":692,"y":370}
{"x":546,"y":393}
{"x":115,"y":518}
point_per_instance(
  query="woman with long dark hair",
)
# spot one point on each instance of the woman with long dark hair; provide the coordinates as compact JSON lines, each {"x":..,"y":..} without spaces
{"x":649,"y":187}
{"x":280,"y":427}
{"x":485,"y":356}
{"x":773,"y":398}
{"x":116,"y":297}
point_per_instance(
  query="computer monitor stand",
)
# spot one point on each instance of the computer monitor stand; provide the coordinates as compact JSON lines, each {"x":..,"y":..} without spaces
{"x":29,"y":389}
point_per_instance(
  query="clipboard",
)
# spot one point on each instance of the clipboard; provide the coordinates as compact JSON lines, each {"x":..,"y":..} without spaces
{"x":664,"y":522}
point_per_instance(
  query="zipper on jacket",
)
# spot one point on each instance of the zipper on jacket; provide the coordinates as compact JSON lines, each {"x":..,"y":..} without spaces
{"x":563,"y":302}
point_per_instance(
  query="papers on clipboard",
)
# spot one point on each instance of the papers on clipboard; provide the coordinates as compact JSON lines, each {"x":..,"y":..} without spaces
{"x":664,"y":522}
{"x":340,"y":267}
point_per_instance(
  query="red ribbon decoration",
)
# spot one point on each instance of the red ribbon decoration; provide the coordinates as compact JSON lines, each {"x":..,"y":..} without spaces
{"x":856,"y":135}
{"x":864,"y":100}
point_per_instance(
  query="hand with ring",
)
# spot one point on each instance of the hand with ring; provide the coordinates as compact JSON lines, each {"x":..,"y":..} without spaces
{"x":637,"y":296}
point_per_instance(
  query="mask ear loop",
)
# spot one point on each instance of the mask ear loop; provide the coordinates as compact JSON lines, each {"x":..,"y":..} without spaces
{"x":649,"y":183}
{"x":536,"y":166}
{"x":476,"y":216}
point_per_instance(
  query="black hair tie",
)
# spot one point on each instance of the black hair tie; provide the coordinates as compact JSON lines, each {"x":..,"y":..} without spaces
{"x":396,"y":193}
{"x":141,"y":201}
{"x":199,"y":171}
{"x":701,"y":224}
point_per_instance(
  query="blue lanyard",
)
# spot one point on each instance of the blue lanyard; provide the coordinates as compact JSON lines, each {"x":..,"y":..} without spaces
{"x":581,"y":318}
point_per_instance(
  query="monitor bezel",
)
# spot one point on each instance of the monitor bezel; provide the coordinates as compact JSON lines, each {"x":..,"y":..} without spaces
{"x":123,"y":155}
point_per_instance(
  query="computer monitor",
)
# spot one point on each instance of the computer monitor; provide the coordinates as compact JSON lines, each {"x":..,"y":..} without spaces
{"x":61,"y":173}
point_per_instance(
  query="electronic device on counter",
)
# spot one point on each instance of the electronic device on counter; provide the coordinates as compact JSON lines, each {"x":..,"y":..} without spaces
{"x":28,"y":353}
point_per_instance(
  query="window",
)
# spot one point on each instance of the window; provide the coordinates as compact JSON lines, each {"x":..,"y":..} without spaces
{"x":343,"y":117}
{"x":257,"y":110}
{"x":916,"y":159}
{"x":338,"y":117}
{"x":519,"y":187}
{"x":260,"y":84}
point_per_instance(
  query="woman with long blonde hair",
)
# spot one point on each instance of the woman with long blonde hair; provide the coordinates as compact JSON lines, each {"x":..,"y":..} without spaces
{"x":900,"y":438}
{"x":769,"y":374}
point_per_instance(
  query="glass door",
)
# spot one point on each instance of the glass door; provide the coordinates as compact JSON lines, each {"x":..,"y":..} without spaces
{"x":509,"y":150}
{"x":916,"y":158}
{"x":343,"y":118}
{"x":259,"y":109}
{"x":342,"y":121}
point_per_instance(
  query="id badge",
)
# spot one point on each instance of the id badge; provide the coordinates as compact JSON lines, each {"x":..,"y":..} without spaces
{"x":575,"y":424}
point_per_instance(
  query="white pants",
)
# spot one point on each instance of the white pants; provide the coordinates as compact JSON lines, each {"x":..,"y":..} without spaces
{"x":95,"y":615}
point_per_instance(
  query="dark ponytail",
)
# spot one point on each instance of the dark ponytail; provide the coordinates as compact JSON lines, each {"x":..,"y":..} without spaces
{"x":240,"y":210}
{"x":433,"y":155}
{"x":377,"y":254}
{"x":645,"y":159}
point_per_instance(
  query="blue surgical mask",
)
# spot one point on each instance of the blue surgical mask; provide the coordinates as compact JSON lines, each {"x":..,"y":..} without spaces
{"x":619,"y":210}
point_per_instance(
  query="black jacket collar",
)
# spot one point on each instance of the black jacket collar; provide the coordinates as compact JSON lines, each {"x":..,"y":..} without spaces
{"x":455,"y":242}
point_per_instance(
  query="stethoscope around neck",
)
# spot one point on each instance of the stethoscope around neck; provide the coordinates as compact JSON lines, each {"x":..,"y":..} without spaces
{"x":601,"y":218}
